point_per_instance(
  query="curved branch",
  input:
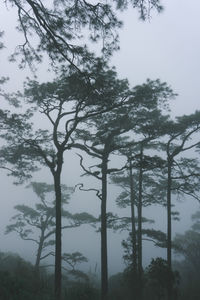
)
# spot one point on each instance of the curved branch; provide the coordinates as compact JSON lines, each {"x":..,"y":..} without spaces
{"x":94,"y":174}
{"x":98,"y":194}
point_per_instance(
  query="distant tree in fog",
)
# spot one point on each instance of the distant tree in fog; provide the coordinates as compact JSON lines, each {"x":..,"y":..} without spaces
{"x":179,"y":139}
{"x":187,"y":245}
{"x":38,"y":224}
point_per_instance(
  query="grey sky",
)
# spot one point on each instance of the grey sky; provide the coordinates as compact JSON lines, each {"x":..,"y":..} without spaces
{"x":166,"y":47}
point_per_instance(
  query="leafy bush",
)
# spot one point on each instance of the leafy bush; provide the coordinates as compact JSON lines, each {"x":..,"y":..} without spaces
{"x":81,"y":291}
{"x":18,"y":280}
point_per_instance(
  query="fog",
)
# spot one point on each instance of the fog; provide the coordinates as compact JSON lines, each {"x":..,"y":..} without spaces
{"x":167,"y":47}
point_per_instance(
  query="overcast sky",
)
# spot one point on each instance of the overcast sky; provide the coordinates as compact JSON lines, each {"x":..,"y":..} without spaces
{"x":165,"y":47}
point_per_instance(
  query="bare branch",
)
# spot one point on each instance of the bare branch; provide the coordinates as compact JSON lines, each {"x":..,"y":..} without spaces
{"x":80,"y":186}
{"x":94,"y":174}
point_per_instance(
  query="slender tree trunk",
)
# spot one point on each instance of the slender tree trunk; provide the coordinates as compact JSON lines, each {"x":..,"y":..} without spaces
{"x":140,"y":270}
{"x":58,"y":246}
{"x":104,"y":263}
{"x":133,"y":235}
{"x":39,"y":253}
{"x":36,"y":281}
{"x":134,"y":239}
{"x":169,"y":229}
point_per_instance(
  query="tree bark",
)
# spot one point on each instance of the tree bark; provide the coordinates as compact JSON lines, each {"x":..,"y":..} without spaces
{"x":169,"y":228}
{"x":133,"y":233}
{"x":39,"y":253}
{"x":140,"y":270}
{"x":104,"y":262}
{"x":58,"y":245}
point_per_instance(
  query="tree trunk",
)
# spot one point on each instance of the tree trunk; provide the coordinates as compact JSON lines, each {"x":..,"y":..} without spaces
{"x":169,"y":229}
{"x":36,"y":281}
{"x":58,"y":246}
{"x":39,"y":253}
{"x":133,"y":235}
{"x":104,"y":263}
{"x":134,"y":240}
{"x":140,"y":270}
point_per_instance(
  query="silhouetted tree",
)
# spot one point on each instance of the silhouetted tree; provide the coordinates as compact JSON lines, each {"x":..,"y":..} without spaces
{"x":72,"y":260}
{"x":127,"y":197}
{"x":142,"y":170}
{"x":65,"y":103}
{"x":179,"y":141}
{"x":38,"y":224}
{"x":100,"y":145}
{"x":110,"y":137}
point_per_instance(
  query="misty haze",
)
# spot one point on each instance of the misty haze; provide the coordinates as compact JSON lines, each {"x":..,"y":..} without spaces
{"x":99,"y":150}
